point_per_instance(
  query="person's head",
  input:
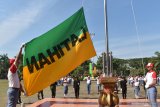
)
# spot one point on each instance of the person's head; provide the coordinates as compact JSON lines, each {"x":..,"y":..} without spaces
{"x":11,"y":61}
{"x":136,"y":79}
{"x":123,"y":77}
{"x":76,"y":77}
{"x":150,"y":66}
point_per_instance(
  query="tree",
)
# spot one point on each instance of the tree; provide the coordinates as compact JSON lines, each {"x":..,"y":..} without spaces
{"x":117,"y":64}
{"x":157,"y":53}
{"x":157,"y":63}
{"x":83,"y":69}
{"x":99,"y":63}
{"x":4,"y":66}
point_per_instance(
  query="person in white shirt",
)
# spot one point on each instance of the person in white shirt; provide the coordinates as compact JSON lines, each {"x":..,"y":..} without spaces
{"x":88,"y":85}
{"x":131,"y":80}
{"x":98,"y":84}
{"x":13,"y":80}
{"x":151,"y":80}
{"x":65,"y":84}
{"x":136,"y":87}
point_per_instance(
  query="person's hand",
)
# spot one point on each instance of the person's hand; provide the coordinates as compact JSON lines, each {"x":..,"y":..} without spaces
{"x":147,"y":86}
{"x":22,"y":45}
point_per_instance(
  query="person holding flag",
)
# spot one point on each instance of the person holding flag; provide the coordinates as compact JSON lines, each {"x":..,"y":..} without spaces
{"x":13,"y":80}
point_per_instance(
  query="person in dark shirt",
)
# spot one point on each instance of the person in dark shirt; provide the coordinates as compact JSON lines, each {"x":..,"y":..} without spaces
{"x":76,"y":86}
{"x":53,"y":89}
{"x":40,"y":93}
{"x":123,"y":84}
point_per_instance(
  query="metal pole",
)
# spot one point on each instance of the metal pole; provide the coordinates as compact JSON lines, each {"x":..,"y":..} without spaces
{"x":104,"y":61}
{"x":110,"y":60}
{"x":106,"y":33}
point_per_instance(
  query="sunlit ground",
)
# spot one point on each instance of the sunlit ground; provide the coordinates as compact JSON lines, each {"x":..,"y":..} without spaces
{"x":59,"y":94}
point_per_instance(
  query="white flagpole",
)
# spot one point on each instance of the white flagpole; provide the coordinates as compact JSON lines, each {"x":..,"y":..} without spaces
{"x":107,"y":73}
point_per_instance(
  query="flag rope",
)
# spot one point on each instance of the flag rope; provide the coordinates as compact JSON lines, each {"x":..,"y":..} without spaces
{"x":139,"y":41}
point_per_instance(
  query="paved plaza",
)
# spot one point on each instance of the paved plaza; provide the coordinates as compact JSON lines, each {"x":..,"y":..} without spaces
{"x":67,"y":102}
{"x":91,"y":100}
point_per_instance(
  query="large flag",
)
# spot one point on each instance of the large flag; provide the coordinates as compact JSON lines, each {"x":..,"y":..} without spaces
{"x":57,"y":52}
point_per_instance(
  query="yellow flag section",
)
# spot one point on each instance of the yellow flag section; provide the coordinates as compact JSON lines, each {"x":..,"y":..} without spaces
{"x":57,"y":52}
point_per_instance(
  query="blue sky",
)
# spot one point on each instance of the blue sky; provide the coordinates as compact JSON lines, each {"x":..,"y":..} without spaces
{"x":23,"y":20}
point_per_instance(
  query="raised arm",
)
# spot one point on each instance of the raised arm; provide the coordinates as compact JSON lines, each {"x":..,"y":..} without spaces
{"x":18,"y":56}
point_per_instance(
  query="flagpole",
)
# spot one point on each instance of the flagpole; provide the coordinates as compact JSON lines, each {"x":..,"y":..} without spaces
{"x":108,"y":81}
{"x":106,"y":40}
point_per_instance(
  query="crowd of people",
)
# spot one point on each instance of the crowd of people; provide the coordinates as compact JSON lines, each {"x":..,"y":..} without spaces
{"x":69,"y":81}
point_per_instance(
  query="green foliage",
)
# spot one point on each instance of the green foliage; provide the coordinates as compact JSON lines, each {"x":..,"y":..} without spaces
{"x":77,"y":71}
{"x":4,"y":65}
{"x":99,"y":63}
{"x":135,"y":66}
{"x":157,"y":53}
{"x":83,"y":69}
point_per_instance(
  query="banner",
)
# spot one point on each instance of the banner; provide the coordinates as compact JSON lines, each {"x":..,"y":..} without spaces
{"x":57,"y":52}
{"x":90,"y":69}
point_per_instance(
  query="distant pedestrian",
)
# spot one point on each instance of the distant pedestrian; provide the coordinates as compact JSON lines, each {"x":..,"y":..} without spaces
{"x":98,"y":84}
{"x":131,"y":81}
{"x":76,"y":86}
{"x":53,"y":89}
{"x":136,"y":88}
{"x":123,"y":84}
{"x":151,"y":80}
{"x":69,"y":79}
{"x":88,"y":85}
{"x":40,"y":95}
{"x":65,"y":84}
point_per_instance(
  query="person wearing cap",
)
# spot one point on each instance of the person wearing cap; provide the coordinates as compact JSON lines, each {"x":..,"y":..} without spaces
{"x":13,"y":80}
{"x":151,"y":80}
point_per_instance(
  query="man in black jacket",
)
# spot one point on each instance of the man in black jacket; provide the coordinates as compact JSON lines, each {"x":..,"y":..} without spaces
{"x":123,"y":84}
{"x":76,"y":86}
{"x":53,"y":89}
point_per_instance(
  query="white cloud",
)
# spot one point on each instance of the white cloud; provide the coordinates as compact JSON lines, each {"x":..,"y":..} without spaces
{"x":130,"y":47}
{"x":20,"y":20}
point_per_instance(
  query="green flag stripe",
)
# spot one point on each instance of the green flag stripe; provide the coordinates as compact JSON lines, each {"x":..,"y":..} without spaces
{"x":75,"y":24}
